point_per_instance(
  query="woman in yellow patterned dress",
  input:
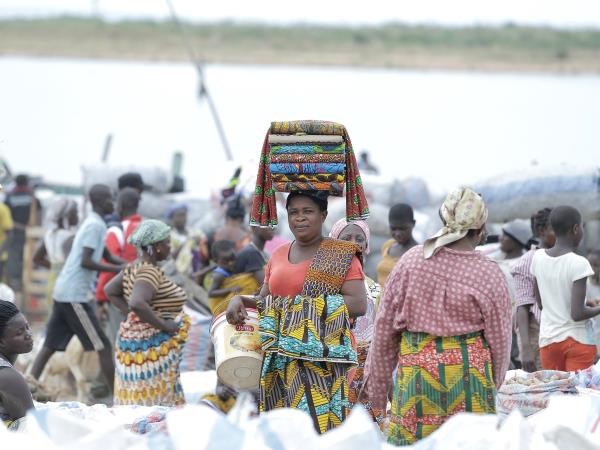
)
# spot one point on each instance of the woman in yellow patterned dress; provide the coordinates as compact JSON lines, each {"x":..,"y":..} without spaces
{"x":312,"y":286}
{"x":150,"y":341}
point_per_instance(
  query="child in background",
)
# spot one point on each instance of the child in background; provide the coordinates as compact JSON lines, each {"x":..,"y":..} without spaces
{"x":402,"y":221}
{"x":527,"y":315}
{"x":565,"y":342}
{"x":223,"y":253}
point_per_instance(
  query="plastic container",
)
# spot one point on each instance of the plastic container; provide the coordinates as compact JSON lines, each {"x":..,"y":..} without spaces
{"x":238,"y":356}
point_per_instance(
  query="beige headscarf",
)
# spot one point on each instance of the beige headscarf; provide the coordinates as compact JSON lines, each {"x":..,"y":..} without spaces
{"x":463,"y":210}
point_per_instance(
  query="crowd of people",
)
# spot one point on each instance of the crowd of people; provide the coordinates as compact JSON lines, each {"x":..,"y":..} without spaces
{"x":430,"y":335}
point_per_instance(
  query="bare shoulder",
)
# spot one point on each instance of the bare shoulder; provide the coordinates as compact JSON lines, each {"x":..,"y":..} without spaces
{"x":10,"y":379}
{"x":283,"y":249}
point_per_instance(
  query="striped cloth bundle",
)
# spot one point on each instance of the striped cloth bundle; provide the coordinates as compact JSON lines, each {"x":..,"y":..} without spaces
{"x":307,"y":155}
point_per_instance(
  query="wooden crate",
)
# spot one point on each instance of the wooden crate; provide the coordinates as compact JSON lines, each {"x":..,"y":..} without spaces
{"x":35,"y":281}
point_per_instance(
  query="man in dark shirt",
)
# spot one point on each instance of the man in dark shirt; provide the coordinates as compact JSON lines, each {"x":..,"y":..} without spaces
{"x":24,"y":208}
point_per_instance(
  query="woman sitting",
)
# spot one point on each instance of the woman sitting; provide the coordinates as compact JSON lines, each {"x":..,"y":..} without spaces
{"x":15,"y":339}
{"x":358,"y":233}
{"x":150,"y":341}
{"x":445,"y":321}
{"x":312,"y":286}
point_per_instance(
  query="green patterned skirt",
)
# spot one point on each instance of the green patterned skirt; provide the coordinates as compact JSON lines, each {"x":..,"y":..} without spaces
{"x":437,"y":378}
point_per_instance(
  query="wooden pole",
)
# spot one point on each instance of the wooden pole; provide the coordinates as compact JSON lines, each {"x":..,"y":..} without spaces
{"x":203,"y":89}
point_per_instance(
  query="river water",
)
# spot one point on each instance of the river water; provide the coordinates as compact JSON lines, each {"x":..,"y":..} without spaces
{"x":448,"y":128}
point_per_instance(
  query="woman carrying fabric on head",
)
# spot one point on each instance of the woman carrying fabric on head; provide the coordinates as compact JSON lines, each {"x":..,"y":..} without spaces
{"x":15,"y":339}
{"x":150,"y":341}
{"x":446,"y":313}
{"x":56,"y":245}
{"x":358,"y":233}
{"x":312,"y":286}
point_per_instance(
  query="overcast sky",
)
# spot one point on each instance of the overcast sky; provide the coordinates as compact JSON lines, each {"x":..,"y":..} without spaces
{"x":560,"y":13}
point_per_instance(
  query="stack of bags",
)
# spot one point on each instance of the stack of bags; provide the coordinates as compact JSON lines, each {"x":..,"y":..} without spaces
{"x":307,"y":155}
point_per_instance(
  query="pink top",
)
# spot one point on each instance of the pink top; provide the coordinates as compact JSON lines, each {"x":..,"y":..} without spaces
{"x":525,"y":284}
{"x":450,"y":294}
{"x":287,"y":279}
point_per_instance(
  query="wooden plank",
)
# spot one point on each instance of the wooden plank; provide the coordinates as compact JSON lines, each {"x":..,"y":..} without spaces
{"x":37,"y":290}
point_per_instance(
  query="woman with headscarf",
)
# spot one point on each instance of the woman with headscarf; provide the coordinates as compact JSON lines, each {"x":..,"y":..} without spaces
{"x":55,"y":247}
{"x":312,"y":287}
{"x":150,"y":341}
{"x":358,"y":233}
{"x":445,"y":320}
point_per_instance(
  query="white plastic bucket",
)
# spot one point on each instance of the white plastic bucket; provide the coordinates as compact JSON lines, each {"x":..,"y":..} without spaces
{"x":237,"y":351}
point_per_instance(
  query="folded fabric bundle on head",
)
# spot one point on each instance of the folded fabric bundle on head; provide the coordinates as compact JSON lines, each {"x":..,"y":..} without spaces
{"x":316,"y":127}
{"x":304,"y":158}
{"x":310,"y":178}
{"x":308,"y":168}
{"x":314,"y":142}
{"x":308,"y":149}
{"x":332,"y":187}
{"x":287,"y":139}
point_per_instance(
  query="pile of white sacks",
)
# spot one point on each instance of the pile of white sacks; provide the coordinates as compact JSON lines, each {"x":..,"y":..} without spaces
{"x":569,"y":422}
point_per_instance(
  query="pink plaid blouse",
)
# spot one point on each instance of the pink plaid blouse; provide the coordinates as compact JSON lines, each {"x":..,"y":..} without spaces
{"x":451,"y":294}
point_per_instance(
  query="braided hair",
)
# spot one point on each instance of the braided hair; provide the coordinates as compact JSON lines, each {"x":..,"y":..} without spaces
{"x":540,"y":220}
{"x":7,"y":311}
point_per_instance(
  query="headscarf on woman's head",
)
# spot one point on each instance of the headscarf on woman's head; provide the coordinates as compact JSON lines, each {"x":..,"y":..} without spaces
{"x":463,"y":210}
{"x":341,"y":224}
{"x":149,"y":232}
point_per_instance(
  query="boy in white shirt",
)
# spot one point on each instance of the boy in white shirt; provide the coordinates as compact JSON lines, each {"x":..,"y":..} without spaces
{"x":565,"y":342}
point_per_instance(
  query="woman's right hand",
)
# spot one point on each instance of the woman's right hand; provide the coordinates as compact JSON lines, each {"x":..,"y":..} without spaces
{"x":236,"y":311}
{"x":170,"y":326}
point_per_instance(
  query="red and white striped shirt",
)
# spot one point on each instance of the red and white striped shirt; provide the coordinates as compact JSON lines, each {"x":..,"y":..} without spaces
{"x":524,"y":283}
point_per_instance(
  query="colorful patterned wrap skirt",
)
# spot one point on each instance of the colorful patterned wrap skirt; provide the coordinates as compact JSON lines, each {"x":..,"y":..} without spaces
{"x":308,"y":353}
{"x":437,"y":378}
{"x":147,"y":364}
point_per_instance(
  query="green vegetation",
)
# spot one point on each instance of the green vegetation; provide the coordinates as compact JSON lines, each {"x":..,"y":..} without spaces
{"x":507,"y":48}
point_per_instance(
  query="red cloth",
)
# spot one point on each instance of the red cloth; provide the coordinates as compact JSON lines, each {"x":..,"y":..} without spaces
{"x":568,"y":355}
{"x":116,"y":243}
{"x":287,"y":279}
{"x":450,"y":294}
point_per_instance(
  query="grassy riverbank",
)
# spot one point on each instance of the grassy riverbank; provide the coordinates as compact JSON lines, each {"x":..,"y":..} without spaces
{"x":507,"y":48}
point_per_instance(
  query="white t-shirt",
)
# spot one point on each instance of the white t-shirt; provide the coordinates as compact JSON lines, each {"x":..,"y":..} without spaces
{"x":54,"y":240}
{"x":555,"y":277}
